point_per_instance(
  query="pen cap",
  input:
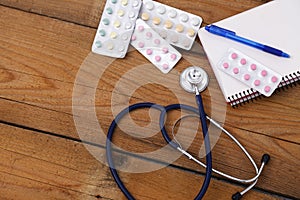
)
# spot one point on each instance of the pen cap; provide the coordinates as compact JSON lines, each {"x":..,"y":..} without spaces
{"x":218,"y":30}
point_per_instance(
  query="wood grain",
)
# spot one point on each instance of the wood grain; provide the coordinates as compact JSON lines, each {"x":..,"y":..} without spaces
{"x":26,"y":77}
{"x":88,"y":12}
{"x":32,"y":167}
{"x":39,"y":60}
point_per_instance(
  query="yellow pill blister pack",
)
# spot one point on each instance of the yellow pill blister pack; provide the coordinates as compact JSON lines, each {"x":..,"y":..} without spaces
{"x":177,"y":27}
{"x":116,"y":27}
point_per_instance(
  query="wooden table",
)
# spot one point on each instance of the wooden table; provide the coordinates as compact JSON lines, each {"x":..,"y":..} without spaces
{"x":52,"y":150}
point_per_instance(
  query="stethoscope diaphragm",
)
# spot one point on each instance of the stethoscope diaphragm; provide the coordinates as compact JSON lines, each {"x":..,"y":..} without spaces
{"x":192,"y":77}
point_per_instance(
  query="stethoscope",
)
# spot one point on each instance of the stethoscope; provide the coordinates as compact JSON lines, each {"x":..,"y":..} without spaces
{"x":194,"y":80}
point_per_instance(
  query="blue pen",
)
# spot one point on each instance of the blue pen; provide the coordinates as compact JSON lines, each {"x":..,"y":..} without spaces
{"x":232,"y":35}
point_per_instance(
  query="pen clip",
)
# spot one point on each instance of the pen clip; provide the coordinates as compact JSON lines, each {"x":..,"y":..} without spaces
{"x":218,"y":30}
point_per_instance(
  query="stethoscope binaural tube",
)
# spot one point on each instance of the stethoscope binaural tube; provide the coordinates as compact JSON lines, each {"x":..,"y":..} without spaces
{"x":258,"y":170}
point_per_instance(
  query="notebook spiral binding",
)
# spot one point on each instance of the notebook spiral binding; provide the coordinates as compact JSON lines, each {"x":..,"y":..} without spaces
{"x":251,"y":94}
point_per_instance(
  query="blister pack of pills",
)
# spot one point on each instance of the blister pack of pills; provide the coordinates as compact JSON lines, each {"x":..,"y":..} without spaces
{"x":116,"y":27}
{"x":250,"y":72}
{"x":158,"y":51}
{"x":178,"y":27}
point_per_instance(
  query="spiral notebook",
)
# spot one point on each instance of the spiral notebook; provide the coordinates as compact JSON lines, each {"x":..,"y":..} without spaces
{"x":275,"y":24}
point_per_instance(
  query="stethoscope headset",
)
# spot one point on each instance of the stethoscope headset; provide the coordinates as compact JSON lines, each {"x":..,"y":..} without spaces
{"x":194,"y":80}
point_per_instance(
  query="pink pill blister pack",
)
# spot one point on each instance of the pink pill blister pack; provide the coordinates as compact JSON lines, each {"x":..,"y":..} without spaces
{"x":250,"y":72}
{"x":116,"y":27}
{"x":158,"y":51}
{"x":178,"y":27}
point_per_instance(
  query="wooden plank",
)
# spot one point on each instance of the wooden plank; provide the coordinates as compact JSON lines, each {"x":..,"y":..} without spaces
{"x":227,"y":156}
{"x":16,"y":187}
{"x":88,"y":12}
{"x":47,"y":167}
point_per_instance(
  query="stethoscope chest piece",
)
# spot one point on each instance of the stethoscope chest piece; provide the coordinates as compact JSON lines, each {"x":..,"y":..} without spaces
{"x":194,"y":77}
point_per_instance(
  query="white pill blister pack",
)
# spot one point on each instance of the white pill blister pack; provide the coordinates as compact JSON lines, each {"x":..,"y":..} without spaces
{"x":250,"y":72}
{"x":116,"y":27}
{"x":178,"y":27}
{"x":158,"y":51}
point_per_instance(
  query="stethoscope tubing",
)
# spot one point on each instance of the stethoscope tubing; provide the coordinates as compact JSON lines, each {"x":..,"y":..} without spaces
{"x":202,"y":115}
{"x":164,"y":111}
{"x":110,"y":133}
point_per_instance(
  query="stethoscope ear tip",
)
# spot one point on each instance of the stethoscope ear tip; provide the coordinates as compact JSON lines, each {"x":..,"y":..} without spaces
{"x":265,"y":158}
{"x":237,"y":196}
